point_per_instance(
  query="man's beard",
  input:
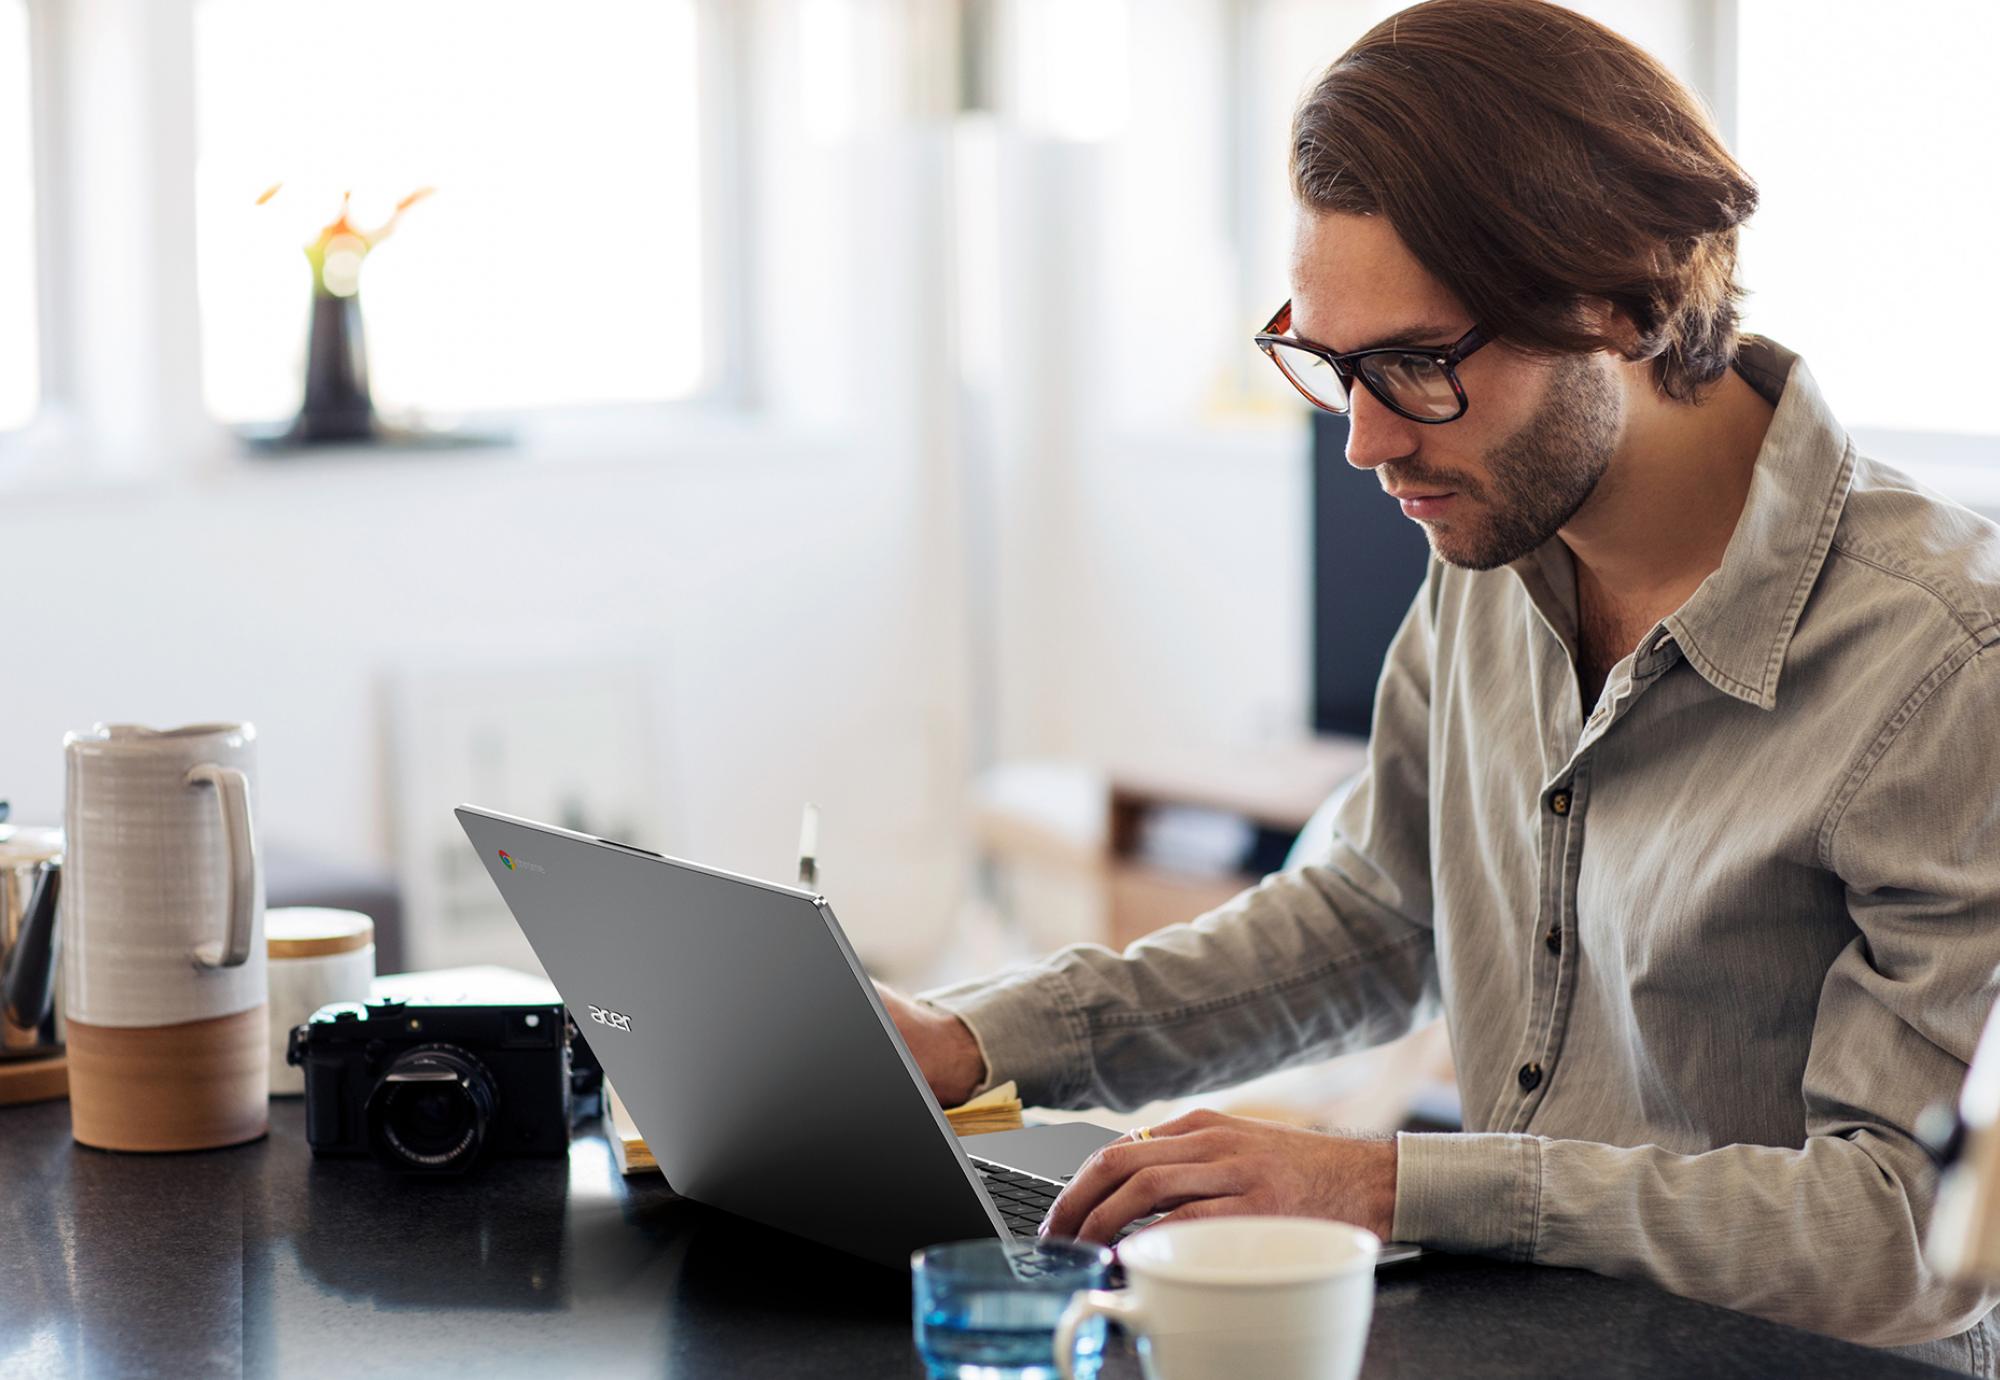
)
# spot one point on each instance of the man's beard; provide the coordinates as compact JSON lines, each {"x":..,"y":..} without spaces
{"x":1537,"y":478}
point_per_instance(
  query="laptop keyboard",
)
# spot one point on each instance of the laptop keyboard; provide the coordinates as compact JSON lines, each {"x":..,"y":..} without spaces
{"x":1024,"y":1199}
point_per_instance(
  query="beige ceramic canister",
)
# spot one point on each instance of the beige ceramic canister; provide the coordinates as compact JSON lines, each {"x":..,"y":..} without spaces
{"x":163,"y":964}
{"x":318,"y":956}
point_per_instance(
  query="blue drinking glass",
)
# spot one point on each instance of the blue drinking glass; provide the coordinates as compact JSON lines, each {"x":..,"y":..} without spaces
{"x":987,"y":1310}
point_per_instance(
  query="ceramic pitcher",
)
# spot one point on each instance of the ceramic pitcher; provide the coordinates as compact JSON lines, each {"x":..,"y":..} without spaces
{"x":163,"y":963}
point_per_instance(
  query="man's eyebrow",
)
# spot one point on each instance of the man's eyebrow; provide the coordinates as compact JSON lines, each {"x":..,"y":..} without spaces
{"x":1411,"y":335}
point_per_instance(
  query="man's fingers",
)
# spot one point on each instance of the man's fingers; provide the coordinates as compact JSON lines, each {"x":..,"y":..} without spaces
{"x":1205,"y":1207}
{"x":1155,"y":1188}
{"x":1200,"y":1119}
{"x":1110,"y":1167}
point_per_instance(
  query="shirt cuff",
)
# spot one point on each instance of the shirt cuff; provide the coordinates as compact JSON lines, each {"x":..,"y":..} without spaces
{"x":1027,"y":1028}
{"x":1478,"y":1194}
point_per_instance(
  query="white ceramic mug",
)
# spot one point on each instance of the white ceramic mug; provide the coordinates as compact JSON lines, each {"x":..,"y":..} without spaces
{"x":163,"y":964}
{"x":1227,"y":1298}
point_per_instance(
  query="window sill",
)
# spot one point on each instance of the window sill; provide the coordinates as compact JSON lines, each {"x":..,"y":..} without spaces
{"x":51,"y":462}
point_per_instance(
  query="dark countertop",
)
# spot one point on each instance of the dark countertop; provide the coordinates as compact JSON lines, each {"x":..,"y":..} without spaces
{"x":261,"y":1261}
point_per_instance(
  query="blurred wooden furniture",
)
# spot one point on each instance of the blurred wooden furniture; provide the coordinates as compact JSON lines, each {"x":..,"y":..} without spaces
{"x":1110,"y":834}
{"x":1269,"y":792}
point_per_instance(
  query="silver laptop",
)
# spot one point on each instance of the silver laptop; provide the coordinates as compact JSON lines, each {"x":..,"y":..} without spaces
{"x":752,"y":1051}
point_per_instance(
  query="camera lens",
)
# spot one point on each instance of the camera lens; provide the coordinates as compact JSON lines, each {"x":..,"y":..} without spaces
{"x":431,"y":1108}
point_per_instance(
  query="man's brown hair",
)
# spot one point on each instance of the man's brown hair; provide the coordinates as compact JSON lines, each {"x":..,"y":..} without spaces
{"x":1531,"y":158}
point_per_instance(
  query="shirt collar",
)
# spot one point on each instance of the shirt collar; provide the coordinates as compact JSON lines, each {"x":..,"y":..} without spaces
{"x":1735,"y":627}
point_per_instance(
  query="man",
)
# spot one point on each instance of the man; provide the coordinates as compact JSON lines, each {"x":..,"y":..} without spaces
{"x":1681,"y":794}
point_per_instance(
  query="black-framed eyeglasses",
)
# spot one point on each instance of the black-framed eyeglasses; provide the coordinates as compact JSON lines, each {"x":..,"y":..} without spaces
{"x":1415,"y":383}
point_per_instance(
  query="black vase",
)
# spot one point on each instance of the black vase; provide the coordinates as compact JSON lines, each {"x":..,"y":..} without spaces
{"x":337,"y":406}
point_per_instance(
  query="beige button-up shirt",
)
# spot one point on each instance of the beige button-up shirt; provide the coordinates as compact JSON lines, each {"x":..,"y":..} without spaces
{"x":1706,"y":948}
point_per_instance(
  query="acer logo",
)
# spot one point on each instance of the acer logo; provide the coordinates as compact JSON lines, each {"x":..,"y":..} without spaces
{"x":617,"y":1020}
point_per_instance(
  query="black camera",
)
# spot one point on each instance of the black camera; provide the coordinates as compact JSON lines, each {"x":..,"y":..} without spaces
{"x":435,"y":1087}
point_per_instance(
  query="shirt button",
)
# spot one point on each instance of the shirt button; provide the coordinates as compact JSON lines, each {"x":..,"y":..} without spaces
{"x":1531,"y":1077}
{"x":1554,"y":939}
{"x":1559,"y":802}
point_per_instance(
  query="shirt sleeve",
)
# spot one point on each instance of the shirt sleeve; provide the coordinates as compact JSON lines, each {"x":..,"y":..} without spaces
{"x":1828,"y":1235}
{"x":1313,"y":961}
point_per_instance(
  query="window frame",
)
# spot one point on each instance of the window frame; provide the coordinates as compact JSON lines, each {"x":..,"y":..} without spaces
{"x":119,"y":391}
{"x":120,"y":387}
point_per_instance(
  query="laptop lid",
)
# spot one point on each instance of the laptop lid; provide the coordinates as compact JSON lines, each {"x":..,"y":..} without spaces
{"x":744,"y":1037}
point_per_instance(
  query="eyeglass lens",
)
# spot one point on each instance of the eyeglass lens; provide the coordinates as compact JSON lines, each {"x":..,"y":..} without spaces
{"x":1313,"y":376}
{"x":1415,"y":383}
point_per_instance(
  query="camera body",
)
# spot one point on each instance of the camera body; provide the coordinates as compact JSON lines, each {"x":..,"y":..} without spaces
{"x":434,"y":1087}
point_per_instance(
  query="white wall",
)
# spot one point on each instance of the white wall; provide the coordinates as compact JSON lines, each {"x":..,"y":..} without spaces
{"x":778,"y":592}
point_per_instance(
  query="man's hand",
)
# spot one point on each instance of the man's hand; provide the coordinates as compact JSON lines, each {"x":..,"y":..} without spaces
{"x":942,"y":1045}
{"x":1206,"y":1164}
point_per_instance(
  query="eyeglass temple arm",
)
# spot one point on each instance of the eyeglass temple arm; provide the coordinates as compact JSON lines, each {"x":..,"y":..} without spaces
{"x":1467,"y":343}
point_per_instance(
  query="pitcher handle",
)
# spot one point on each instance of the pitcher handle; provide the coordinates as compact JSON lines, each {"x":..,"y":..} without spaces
{"x":232,"y":795}
{"x":1116,"y":1304}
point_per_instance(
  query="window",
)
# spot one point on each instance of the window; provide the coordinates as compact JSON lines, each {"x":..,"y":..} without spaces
{"x":559,"y":260}
{"x":1869,"y":141}
{"x":20,"y":384}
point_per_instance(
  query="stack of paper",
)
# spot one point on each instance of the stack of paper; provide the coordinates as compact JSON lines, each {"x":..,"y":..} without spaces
{"x":628,"y":1147}
{"x":996,"y":1109}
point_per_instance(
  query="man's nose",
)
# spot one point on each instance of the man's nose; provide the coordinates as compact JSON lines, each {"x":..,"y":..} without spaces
{"x":1375,"y":435}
